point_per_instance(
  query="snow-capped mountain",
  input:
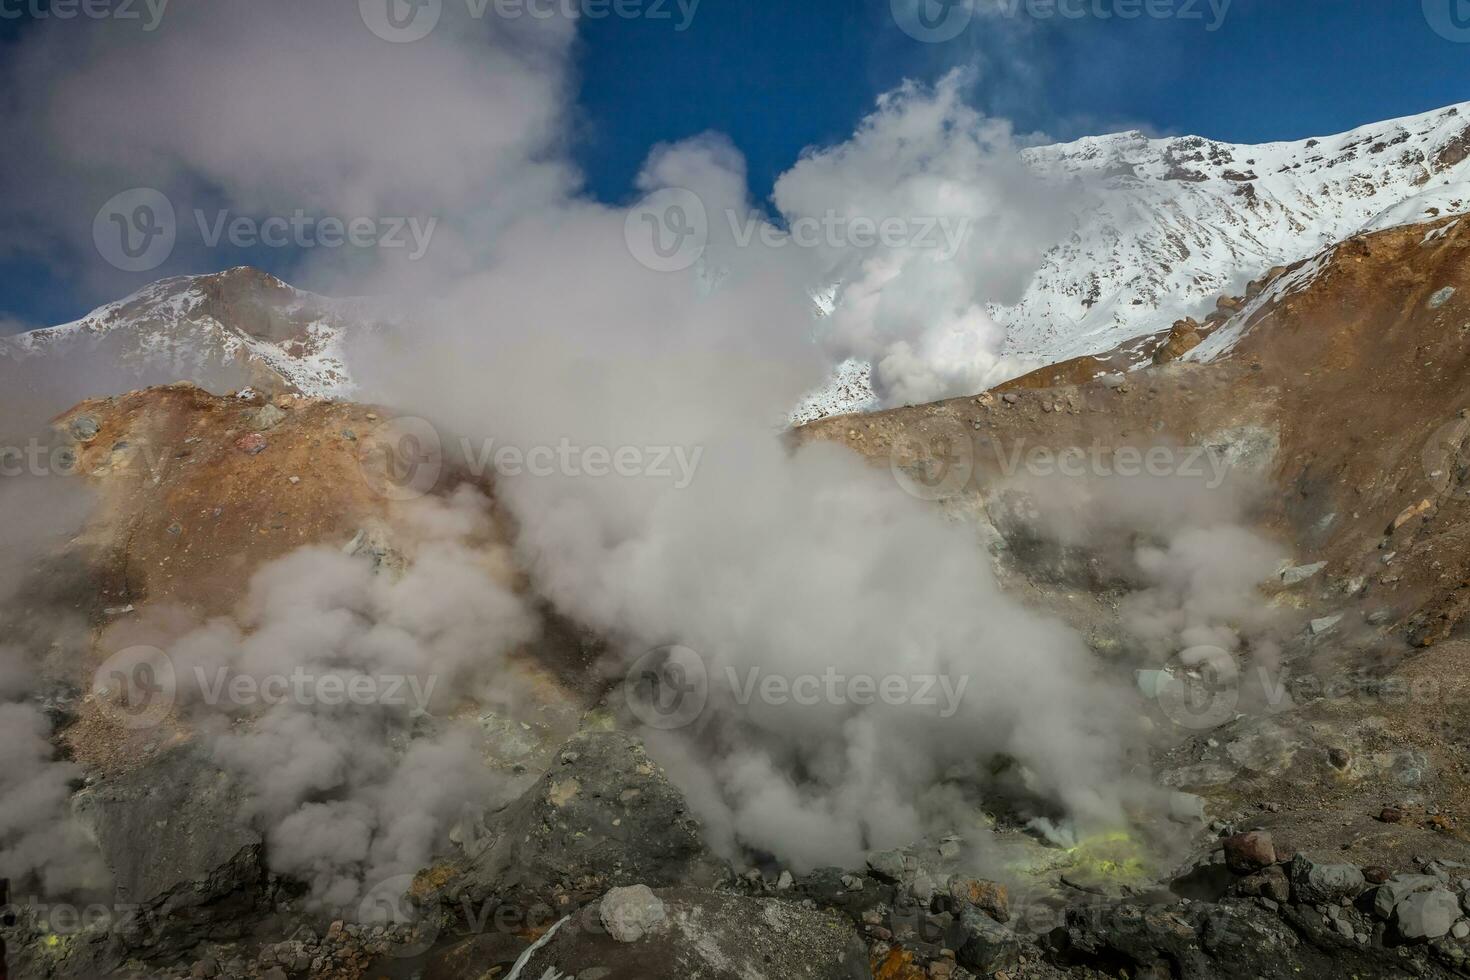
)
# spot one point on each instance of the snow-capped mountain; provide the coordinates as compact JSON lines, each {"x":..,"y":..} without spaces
{"x":1169,"y":225}
{"x":1172,"y":224}
{"x":234,"y":328}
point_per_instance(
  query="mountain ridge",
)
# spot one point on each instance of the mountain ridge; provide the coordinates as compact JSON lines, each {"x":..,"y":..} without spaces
{"x":1169,"y":226}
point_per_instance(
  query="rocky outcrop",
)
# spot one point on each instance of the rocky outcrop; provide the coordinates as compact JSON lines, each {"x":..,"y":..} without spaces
{"x":1184,"y":337}
{"x":604,"y":816}
{"x":180,"y":850}
{"x":186,"y":867}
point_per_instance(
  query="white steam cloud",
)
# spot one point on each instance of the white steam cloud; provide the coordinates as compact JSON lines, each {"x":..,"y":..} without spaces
{"x":543,"y":328}
{"x":343,"y":794}
{"x":978,"y":223}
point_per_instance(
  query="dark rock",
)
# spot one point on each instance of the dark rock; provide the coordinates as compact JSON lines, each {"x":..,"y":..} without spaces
{"x":579,"y":831}
{"x":1324,"y":884}
{"x":1269,"y":883}
{"x":982,"y":944}
{"x":173,"y":835}
{"x":710,"y":935}
{"x":887,"y":865}
{"x":1208,"y":941}
{"x":1391,"y":815}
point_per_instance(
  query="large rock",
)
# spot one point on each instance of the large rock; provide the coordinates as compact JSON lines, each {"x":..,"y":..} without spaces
{"x":186,"y":867}
{"x":1249,"y":852}
{"x":604,"y":816}
{"x":1183,"y":337}
{"x":982,"y":944}
{"x":1325,"y":884}
{"x":1426,"y":915}
{"x":709,"y":935}
{"x":629,"y":914}
{"x":1396,"y":889}
{"x":989,"y":897}
{"x":174,"y":835}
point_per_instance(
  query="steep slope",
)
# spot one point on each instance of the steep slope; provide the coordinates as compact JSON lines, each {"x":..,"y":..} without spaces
{"x":1169,"y":225}
{"x":1176,"y":222}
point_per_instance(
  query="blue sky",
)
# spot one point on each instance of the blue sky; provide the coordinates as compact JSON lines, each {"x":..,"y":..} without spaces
{"x":780,"y":75}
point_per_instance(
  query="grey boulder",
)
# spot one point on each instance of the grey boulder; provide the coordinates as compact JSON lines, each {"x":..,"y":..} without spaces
{"x":1426,"y":915}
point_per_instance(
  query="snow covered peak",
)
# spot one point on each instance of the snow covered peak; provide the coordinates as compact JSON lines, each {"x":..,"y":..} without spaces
{"x":229,"y":329}
{"x":1171,"y":224}
{"x":1166,"y":226}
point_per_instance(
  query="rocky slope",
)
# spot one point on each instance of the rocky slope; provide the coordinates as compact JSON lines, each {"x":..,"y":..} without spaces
{"x":1321,"y":831}
{"x":1176,"y":222}
{"x":1337,"y":387}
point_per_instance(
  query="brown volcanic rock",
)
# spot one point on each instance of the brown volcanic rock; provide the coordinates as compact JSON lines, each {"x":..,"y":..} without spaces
{"x":1249,"y":852}
{"x":193,"y":500}
{"x":1183,"y":338}
{"x":1349,"y":374}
